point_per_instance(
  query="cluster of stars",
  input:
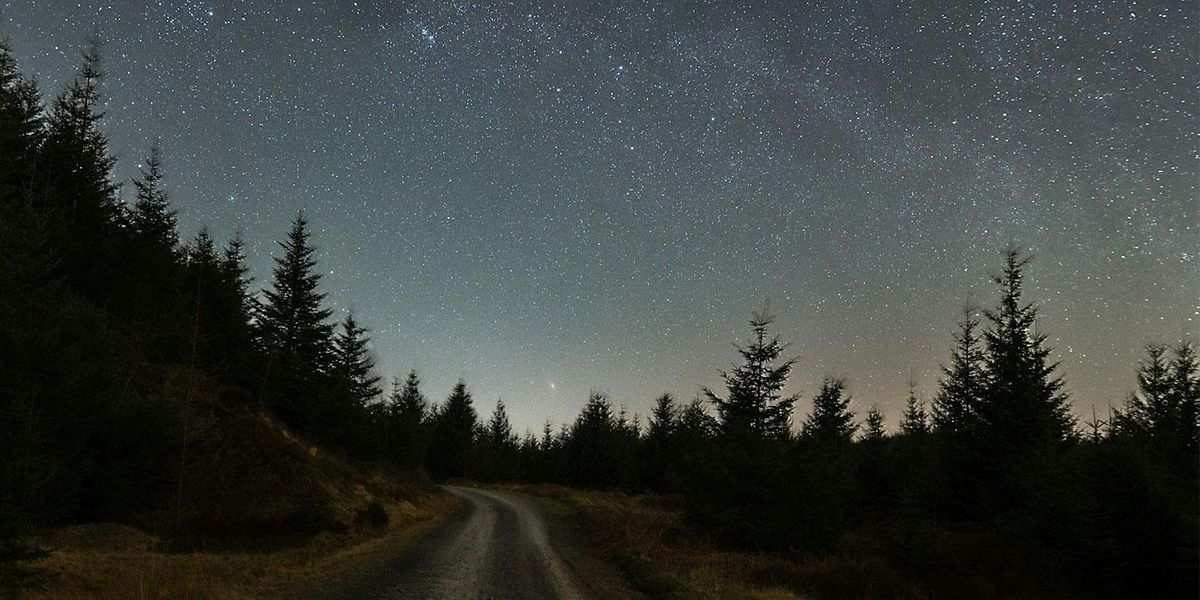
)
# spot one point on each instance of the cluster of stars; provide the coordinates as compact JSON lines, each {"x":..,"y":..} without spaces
{"x":598,"y":195}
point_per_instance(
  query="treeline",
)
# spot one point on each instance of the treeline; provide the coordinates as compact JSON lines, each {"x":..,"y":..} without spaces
{"x":995,"y":448}
{"x":100,"y":300}
{"x":100,"y":297}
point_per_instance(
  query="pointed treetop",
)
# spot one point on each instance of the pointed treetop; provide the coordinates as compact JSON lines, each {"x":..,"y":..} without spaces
{"x":873,"y":428}
{"x":830,"y":420}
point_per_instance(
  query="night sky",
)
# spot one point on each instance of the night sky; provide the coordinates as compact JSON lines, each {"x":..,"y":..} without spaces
{"x":550,"y":198}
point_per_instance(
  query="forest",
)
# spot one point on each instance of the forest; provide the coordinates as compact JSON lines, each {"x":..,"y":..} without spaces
{"x":103,"y":306}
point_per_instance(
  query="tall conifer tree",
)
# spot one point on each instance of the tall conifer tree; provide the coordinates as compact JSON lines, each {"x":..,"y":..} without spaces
{"x":1022,"y":406}
{"x":754,"y":408}
{"x":914,"y":419}
{"x":830,"y":421}
{"x":152,"y":220}
{"x":961,"y":384}
{"x":294,"y":325}
{"x":74,"y":187}
{"x":22,"y":129}
{"x":455,"y":426}
{"x":873,"y":429}
{"x":353,"y":365}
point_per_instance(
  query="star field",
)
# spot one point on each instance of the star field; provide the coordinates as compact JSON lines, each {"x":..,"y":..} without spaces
{"x":549,"y":198}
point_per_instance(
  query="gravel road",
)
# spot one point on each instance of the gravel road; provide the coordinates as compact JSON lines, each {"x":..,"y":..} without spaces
{"x":499,"y":547}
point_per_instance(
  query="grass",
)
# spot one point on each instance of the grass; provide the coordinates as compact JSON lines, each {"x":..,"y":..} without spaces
{"x":658,"y":554}
{"x":108,"y":561}
{"x":662,"y":556}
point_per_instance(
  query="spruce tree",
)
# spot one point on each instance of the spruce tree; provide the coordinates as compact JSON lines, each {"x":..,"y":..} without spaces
{"x":1185,"y":393}
{"x":662,"y":418}
{"x":1022,"y":406}
{"x":152,"y":220}
{"x":593,"y":455}
{"x":74,"y":187}
{"x":961,"y":384}
{"x":22,"y":129}
{"x":407,"y":414}
{"x":498,"y":430}
{"x":238,"y":305}
{"x":499,"y":461}
{"x":873,"y":429}
{"x":1149,"y":411}
{"x":293,"y":326}
{"x":914,"y":420}
{"x":455,"y":425}
{"x":353,"y":367}
{"x":154,"y":307}
{"x":754,"y":408}
{"x":830,"y":421}
{"x":1163,"y":410}
{"x":659,"y":447}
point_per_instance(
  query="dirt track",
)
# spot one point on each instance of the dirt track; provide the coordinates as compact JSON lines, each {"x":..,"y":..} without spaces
{"x":499,"y":548}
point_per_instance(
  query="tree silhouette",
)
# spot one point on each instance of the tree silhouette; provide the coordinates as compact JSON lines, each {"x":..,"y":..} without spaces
{"x":914,"y":420}
{"x":500,"y":446}
{"x":962,"y":383}
{"x":593,"y":457}
{"x":454,"y":427}
{"x":1022,"y":405}
{"x":407,"y":414}
{"x":754,"y":408}
{"x":353,"y":366}
{"x":152,"y":220}
{"x":873,"y":429}
{"x":659,"y":450}
{"x":22,"y":129}
{"x":1163,"y":410}
{"x":75,"y":187}
{"x":294,"y":327}
{"x":830,"y":421}
{"x":1185,"y":395}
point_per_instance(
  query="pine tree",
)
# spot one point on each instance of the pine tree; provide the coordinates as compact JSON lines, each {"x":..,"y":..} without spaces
{"x":203,"y":264}
{"x":154,"y":308}
{"x":754,"y":409}
{"x":1185,"y":393}
{"x":499,"y":462}
{"x":454,"y":429}
{"x":873,"y":429}
{"x":27,"y":294}
{"x":238,"y":305}
{"x":659,"y":450}
{"x":74,"y":187}
{"x":409,"y":402}
{"x":408,"y":412}
{"x":593,"y":455}
{"x":1163,"y":410}
{"x":22,"y":129}
{"x":961,"y":385}
{"x":499,"y":430}
{"x":662,"y":419}
{"x":914,"y":420}
{"x":1149,"y":411}
{"x":830,"y":421}
{"x":152,"y":220}
{"x":353,"y":366}
{"x":1022,"y":406}
{"x":235,"y":272}
{"x":293,"y":326}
